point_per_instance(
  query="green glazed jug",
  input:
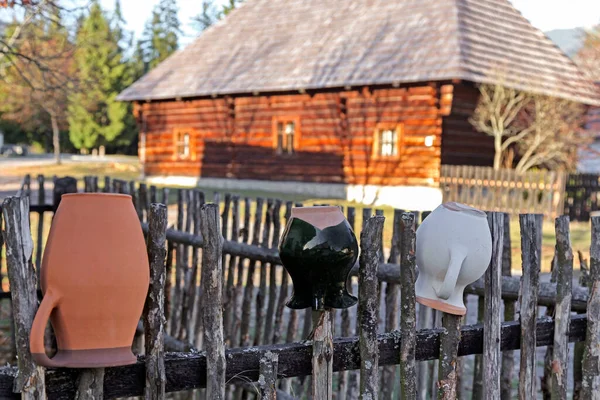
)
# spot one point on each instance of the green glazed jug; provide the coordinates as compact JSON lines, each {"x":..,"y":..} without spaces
{"x":318,"y":249}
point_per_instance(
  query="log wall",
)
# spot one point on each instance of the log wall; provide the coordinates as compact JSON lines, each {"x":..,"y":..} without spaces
{"x":233,"y":137}
{"x":461,"y":143}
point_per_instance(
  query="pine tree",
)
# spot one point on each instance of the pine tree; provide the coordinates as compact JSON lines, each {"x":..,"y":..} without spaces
{"x":123,"y":37}
{"x":95,"y":117}
{"x":161,"y":34}
{"x":210,"y":14}
{"x":229,"y":7}
{"x":207,"y":17}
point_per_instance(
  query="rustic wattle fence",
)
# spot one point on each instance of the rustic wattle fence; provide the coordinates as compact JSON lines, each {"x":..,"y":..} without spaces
{"x":223,"y":346}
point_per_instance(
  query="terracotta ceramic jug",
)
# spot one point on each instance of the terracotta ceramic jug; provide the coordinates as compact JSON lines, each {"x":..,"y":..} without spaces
{"x":94,"y":277}
{"x":318,"y":249}
{"x":454,"y":248}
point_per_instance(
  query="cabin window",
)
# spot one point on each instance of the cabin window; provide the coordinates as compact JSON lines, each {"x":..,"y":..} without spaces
{"x":182,"y":144}
{"x":387,"y":142}
{"x":285,"y":136}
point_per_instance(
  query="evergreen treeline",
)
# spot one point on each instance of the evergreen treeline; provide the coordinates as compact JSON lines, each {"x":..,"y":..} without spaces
{"x":60,"y":79}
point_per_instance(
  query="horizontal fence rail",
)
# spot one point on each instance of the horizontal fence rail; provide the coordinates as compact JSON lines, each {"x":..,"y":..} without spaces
{"x":186,"y":371}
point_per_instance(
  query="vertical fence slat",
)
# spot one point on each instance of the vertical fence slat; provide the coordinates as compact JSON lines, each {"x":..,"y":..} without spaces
{"x":531,"y":249}
{"x":179,"y":266}
{"x":508,"y":358}
{"x":40,"y":227}
{"x":30,"y":380}
{"x":268,"y":376}
{"x":154,"y":312}
{"x":591,"y":355}
{"x":546,"y":380}
{"x":283,"y":291}
{"x":106,"y":188}
{"x":249,"y":289}
{"x":478,"y":364}
{"x":153,"y":198}
{"x":142,"y":202}
{"x":229,"y":309}
{"x":262,"y":288}
{"x":213,"y":289}
{"x":370,"y":247}
{"x":492,"y":316}
{"x":562,"y":315}
{"x":239,"y":286}
{"x":352,"y":376}
{"x":408,"y":318}
{"x":194,"y":306}
{"x":391,"y":307}
{"x":189,"y":288}
{"x":275,"y":217}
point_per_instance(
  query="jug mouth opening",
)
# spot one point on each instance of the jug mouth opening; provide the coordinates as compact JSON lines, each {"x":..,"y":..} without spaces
{"x":319,"y":216}
{"x":87,"y":194}
{"x":459,"y":207}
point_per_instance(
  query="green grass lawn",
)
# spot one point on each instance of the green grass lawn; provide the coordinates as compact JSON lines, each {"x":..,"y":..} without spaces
{"x":127,"y":168}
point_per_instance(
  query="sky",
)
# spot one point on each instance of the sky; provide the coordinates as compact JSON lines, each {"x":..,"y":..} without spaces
{"x":543,"y":14}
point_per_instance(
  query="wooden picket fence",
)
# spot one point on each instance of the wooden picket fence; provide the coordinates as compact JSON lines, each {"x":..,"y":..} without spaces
{"x":504,"y":190}
{"x":236,"y":339}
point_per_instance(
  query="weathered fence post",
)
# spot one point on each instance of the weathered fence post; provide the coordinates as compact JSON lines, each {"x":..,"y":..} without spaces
{"x":368,"y":304}
{"x":591,"y":355}
{"x":322,"y":356}
{"x":62,"y":186}
{"x":268,"y":376}
{"x":154,"y":311}
{"x":508,"y":360}
{"x":19,"y":250}
{"x":580,"y":346}
{"x":213,"y":292}
{"x":449,"y":341}
{"x":531,"y":249}
{"x":492,"y":316}
{"x":562,"y":315}
{"x":90,"y":384}
{"x":408,"y":317}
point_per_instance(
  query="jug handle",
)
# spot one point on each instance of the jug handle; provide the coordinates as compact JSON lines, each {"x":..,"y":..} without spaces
{"x":457,"y":257}
{"x":36,"y":337}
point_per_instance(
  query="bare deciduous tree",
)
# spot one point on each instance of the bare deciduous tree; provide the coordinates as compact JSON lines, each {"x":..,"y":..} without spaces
{"x":545,"y":131}
{"x":495,"y":115}
{"x":36,"y":74}
{"x":555,"y":133}
{"x":588,"y":57}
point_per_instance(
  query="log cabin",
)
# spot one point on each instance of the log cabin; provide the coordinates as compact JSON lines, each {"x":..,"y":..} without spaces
{"x":362,"y":99}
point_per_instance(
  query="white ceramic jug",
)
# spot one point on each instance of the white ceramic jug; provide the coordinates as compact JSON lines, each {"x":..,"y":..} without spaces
{"x":454,"y":248}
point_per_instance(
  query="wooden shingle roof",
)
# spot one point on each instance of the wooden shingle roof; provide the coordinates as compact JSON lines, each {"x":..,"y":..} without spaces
{"x":283,"y":45}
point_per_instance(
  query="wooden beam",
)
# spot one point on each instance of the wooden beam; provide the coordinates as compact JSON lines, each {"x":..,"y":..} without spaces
{"x":187,"y":371}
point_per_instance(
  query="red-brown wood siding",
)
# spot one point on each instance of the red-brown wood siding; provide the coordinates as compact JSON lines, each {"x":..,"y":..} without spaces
{"x":461,"y":143}
{"x":233,"y":138}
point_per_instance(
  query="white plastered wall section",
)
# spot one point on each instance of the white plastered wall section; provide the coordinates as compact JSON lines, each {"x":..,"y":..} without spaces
{"x":414,"y":198}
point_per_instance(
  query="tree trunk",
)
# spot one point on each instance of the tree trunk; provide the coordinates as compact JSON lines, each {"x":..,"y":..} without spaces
{"x":497,"y":152}
{"x":55,"y":138}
